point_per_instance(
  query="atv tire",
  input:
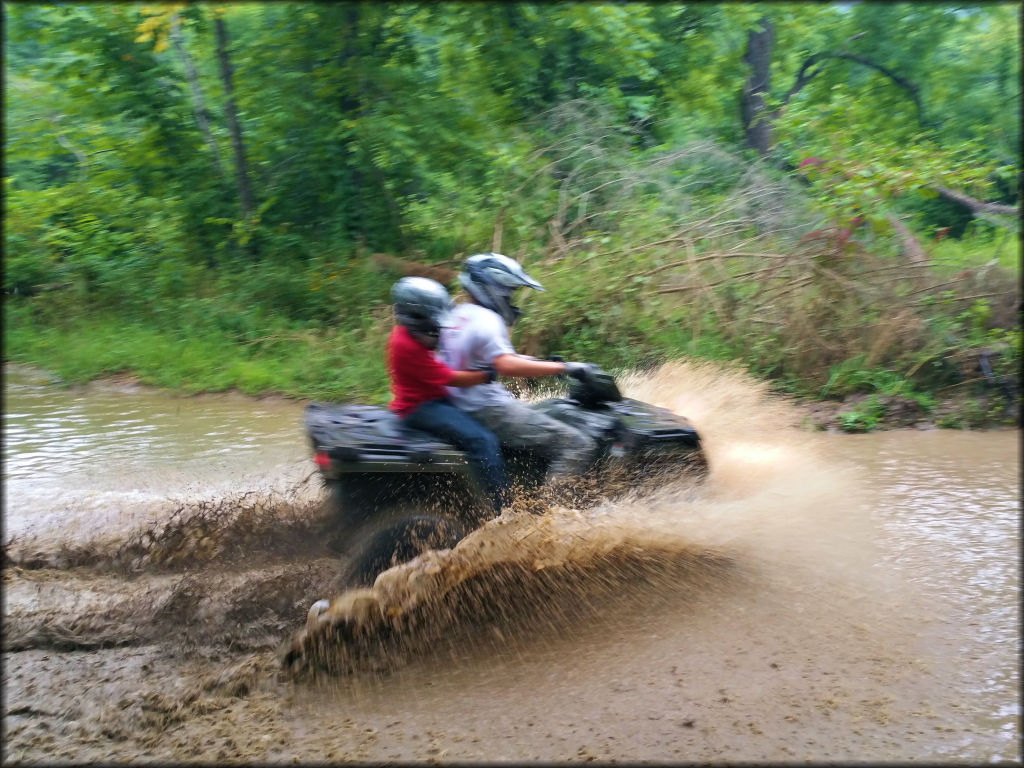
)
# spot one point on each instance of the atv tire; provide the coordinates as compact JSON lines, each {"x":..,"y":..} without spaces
{"x":358,"y":504}
{"x":338,"y":525}
{"x":398,"y":543}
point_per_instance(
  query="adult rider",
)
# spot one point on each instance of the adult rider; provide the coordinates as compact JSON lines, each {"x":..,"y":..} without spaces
{"x":476,"y":336}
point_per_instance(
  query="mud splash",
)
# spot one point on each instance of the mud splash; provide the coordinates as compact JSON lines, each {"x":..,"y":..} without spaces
{"x":769,"y":485}
{"x":231,"y":571}
{"x":187,"y":533}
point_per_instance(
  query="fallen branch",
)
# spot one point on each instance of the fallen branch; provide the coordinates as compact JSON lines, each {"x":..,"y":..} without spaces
{"x":962,"y":383}
{"x":771,"y":295}
{"x":911,"y":248}
{"x":677,"y":237}
{"x":842,"y":280}
{"x":729,"y":279}
{"x":976,"y":206}
{"x":963,"y":298}
{"x":933,"y":287}
{"x":709,"y":257}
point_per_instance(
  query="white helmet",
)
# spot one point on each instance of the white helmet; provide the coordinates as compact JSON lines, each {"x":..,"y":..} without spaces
{"x":490,"y":279}
{"x":422,"y":306}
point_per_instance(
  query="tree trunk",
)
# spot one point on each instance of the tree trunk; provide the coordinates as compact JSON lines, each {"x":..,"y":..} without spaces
{"x":241,"y":170}
{"x":350,"y":102}
{"x":351,"y":105}
{"x":198,"y":104}
{"x":756,"y":120}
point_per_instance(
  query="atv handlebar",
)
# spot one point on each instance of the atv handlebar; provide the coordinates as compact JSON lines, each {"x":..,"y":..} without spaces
{"x":596,"y":387}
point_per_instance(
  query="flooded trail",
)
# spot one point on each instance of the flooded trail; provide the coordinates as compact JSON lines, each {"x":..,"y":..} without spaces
{"x":818,"y":597}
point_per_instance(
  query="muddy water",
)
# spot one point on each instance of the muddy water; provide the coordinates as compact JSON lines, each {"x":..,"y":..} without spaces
{"x":818,"y":597}
{"x":103,"y":460}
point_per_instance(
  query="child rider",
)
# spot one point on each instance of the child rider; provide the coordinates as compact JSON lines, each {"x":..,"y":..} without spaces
{"x":419,"y":380}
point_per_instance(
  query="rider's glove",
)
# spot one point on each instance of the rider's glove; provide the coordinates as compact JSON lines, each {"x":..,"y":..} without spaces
{"x":578,"y":371}
{"x":492,"y":374}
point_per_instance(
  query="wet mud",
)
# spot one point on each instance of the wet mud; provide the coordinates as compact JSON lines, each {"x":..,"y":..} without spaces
{"x":159,"y":644}
{"x":742,"y":617}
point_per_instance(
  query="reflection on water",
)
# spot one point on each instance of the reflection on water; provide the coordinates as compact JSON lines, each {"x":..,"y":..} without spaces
{"x":81,"y":453}
{"x":949,"y":506}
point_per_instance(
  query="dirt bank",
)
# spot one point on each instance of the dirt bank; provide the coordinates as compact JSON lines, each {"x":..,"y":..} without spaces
{"x":864,"y":413}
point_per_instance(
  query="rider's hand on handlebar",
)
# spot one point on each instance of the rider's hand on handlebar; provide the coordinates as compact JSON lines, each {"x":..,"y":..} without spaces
{"x":578,"y":371}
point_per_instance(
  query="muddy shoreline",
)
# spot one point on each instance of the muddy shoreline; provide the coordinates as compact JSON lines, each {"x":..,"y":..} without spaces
{"x":127,"y":383}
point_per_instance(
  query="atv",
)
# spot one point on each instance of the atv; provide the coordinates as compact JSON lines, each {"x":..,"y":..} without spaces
{"x":394,"y":492}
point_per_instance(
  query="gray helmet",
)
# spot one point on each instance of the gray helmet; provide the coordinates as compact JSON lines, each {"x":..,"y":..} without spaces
{"x":421,"y":305}
{"x":490,"y":279}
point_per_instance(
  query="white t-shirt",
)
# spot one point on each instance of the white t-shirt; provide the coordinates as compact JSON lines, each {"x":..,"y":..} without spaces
{"x":474,"y":337}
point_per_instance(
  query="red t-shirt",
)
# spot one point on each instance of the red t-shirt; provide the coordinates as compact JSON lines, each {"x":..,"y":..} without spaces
{"x":416,"y":374}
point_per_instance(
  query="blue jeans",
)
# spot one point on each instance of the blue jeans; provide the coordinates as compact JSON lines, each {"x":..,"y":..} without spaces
{"x":441,"y":418}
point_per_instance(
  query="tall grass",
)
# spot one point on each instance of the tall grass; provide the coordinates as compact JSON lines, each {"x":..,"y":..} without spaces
{"x":330,"y":363}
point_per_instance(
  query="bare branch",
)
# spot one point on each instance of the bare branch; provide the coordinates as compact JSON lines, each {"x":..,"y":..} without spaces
{"x":933,"y":287}
{"x":976,"y":206}
{"x":805,"y":75}
{"x":965,"y":298}
{"x":911,"y":248}
{"x":709,"y":257}
{"x":730,"y":278}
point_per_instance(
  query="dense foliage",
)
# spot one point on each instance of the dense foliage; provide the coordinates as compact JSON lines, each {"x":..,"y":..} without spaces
{"x":824,"y":191}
